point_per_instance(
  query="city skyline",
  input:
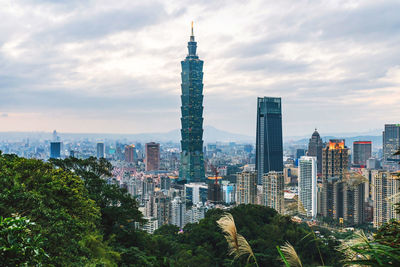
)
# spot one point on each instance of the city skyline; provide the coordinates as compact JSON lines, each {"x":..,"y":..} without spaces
{"x":80,"y":67}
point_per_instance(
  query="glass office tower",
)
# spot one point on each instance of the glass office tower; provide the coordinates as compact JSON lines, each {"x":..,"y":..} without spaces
{"x":192,"y":160}
{"x":269,"y":151}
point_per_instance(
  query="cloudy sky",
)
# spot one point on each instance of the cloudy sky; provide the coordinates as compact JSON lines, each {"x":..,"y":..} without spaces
{"x":114,"y":66}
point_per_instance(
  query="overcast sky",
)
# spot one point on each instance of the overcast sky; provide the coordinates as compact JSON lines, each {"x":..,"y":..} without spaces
{"x":114,"y":66}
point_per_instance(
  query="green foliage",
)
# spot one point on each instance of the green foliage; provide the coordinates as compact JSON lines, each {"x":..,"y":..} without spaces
{"x":117,"y":206}
{"x":18,"y":244}
{"x":54,"y":199}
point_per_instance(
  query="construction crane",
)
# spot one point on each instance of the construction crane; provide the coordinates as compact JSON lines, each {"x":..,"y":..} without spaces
{"x":216,"y":172}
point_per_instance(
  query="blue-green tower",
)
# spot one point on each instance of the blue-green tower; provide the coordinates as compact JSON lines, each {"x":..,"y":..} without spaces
{"x":192,"y":159}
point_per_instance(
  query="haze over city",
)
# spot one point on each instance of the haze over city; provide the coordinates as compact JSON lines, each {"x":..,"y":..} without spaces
{"x":86,"y":66}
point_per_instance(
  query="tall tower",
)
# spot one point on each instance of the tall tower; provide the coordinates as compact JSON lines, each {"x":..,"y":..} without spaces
{"x":269,"y":151}
{"x":152,"y":156}
{"x":391,"y":143}
{"x":315,"y":146}
{"x":307,"y":185}
{"x":192,"y":160}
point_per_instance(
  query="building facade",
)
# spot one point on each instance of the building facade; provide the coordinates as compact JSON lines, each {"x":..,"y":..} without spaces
{"x":335,"y":161}
{"x":152,"y":156}
{"x":55,"y":150}
{"x":130,"y":153}
{"x":385,"y":193}
{"x":100,"y":150}
{"x":362,"y":151}
{"x":246,"y":187}
{"x":273,"y":194}
{"x":391,"y":143}
{"x":269,"y":149}
{"x":315,"y":146}
{"x":192,"y":158}
{"x":307,"y":185}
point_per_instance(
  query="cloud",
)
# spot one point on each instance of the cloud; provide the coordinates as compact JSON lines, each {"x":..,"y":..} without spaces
{"x":96,"y":67}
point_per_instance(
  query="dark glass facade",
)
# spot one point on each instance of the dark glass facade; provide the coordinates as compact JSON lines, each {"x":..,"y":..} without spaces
{"x":55,"y":150}
{"x":315,"y":146}
{"x":192,"y":159}
{"x":269,"y":151}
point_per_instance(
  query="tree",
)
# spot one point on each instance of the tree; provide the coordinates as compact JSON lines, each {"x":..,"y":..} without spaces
{"x":18,"y":244}
{"x":56,"y":200}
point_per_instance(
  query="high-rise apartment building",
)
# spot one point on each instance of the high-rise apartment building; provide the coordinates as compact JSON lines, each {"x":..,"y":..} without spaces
{"x":307,"y":185}
{"x":315,"y":146}
{"x":273,"y":194}
{"x":178,"y":212}
{"x":55,"y":150}
{"x":163,"y":207}
{"x":192,"y":158}
{"x":246,"y":187}
{"x":386,"y":192}
{"x":152,"y":156}
{"x":100,"y":150}
{"x":353,"y":201}
{"x":335,"y":160}
{"x":130,"y":153}
{"x":391,"y":143}
{"x":269,"y":150}
{"x":362,"y":151}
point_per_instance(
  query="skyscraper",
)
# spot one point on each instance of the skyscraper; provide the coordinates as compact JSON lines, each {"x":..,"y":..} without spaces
{"x":391,"y":143}
{"x":308,"y":186}
{"x":362,"y":151}
{"x":100,"y":150}
{"x":178,"y":212}
{"x":269,"y":151}
{"x":130,"y":153}
{"x":335,"y":160}
{"x":315,"y":146}
{"x":55,"y":150}
{"x":152,"y":156}
{"x":192,"y":159}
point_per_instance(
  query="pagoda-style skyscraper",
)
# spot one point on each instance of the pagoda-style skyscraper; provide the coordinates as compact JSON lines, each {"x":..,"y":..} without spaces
{"x":192,"y":160}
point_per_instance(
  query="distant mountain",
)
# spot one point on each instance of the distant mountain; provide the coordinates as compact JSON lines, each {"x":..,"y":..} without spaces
{"x":211,"y":135}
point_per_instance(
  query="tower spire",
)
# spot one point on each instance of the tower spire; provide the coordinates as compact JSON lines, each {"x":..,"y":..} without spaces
{"x":192,"y":29}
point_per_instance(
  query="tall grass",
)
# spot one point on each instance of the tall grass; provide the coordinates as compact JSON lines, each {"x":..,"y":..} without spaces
{"x":238,"y":245}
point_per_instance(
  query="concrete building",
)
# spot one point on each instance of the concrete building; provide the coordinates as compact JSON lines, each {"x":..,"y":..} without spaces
{"x":386,"y":192}
{"x":391,"y":143}
{"x":335,"y":160}
{"x":178,"y":212}
{"x":362,"y":151}
{"x":246,"y":187}
{"x":273,"y":191}
{"x":152,"y":156}
{"x":130,"y":154}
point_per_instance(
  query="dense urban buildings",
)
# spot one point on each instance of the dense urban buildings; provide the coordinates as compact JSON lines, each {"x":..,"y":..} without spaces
{"x":362,"y":151}
{"x":307,"y":186}
{"x":315,"y":146}
{"x":192,"y":158}
{"x":152,"y":156}
{"x":269,"y":148}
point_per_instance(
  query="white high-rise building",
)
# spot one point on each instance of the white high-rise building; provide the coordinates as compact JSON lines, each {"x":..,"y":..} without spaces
{"x":385,"y":194}
{"x":195,"y":214}
{"x":178,"y":212}
{"x":307,"y":183}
